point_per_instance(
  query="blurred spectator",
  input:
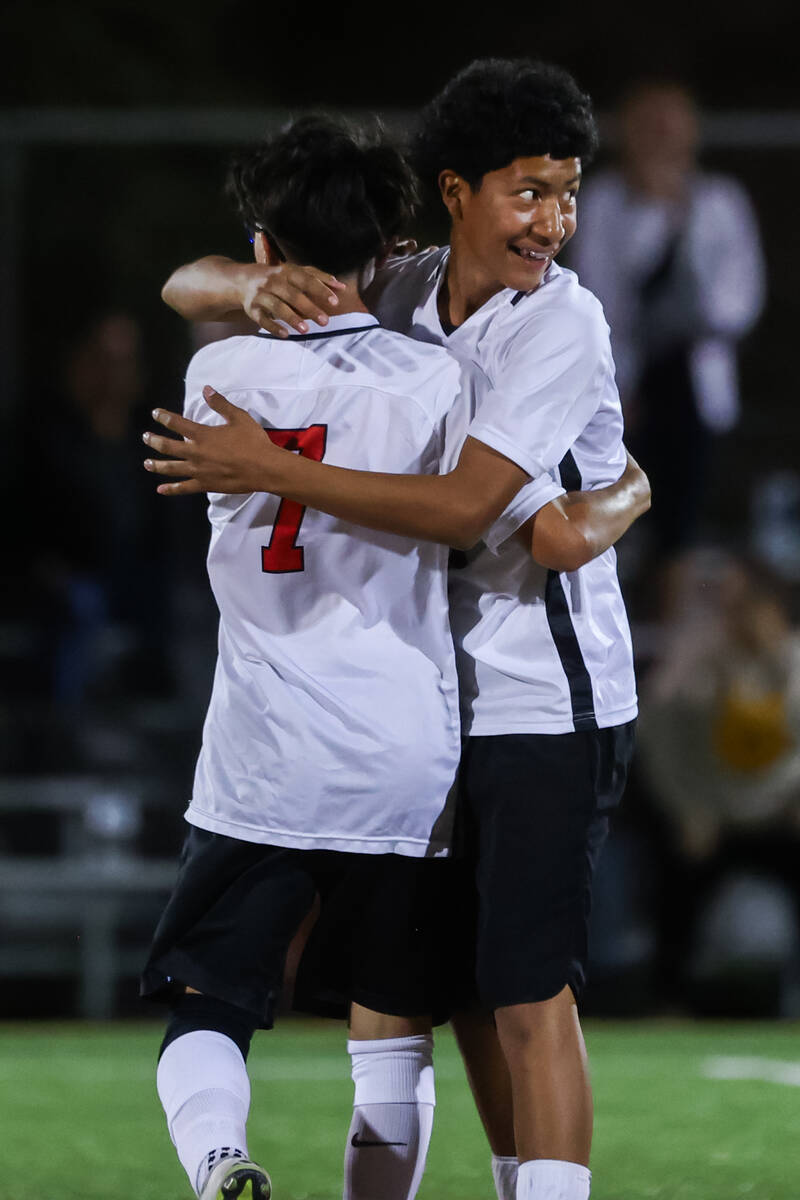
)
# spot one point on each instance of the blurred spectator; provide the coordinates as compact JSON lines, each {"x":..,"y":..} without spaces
{"x":674,"y":255}
{"x":720,"y":746}
{"x":99,"y":551}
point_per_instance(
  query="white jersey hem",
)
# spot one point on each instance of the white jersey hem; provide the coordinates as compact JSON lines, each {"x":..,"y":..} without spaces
{"x":408,"y":847}
{"x":486,"y":727}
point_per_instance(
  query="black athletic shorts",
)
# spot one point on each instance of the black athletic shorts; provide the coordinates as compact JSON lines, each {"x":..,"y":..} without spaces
{"x":512,"y":905}
{"x":237,"y":905}
{"x":533,"y":814}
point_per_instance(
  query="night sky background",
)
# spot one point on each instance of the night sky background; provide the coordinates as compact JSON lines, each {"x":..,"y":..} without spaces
{"x":97,"y":224}
{"x":235,"y":53}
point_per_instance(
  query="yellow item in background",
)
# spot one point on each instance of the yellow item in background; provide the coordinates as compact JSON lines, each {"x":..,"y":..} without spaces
{"x":750,"y":732}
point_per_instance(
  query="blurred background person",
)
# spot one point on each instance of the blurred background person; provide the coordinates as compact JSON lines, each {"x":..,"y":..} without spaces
{"x":720,"y":753}
{"x":674,"y":254}
{"x":99,"y":554}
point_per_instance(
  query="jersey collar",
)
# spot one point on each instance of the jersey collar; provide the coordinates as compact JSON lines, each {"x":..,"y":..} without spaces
{"x":504,"y":297}
{"x":341,"y":323}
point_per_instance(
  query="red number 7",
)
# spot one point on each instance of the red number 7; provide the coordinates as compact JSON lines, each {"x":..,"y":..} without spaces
{"x":283,"y":554}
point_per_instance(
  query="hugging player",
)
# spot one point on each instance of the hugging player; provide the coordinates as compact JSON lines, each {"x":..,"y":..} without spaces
{"x":548,"y":694}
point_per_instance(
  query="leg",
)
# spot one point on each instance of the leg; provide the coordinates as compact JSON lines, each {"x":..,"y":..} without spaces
{"x":373,"y":947}
{"x":540,"y":803}
{"x":393,"y":1104}
{"x":488,"y":1077}
{"x":205,"y":1092}
{"x":490,"y":1082}
{"x":544,"y":1048}
{"x":224,"y":936}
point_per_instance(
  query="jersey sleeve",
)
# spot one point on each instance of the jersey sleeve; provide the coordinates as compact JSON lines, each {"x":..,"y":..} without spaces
{"x":527,"y":502}
{"x":548,"y":387}
{"x":395,"y":290}
{"x":466,"y":390}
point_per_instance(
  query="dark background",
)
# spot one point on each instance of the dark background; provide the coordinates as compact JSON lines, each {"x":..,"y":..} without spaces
{"x":98,"y":224}
{"x":116,"y":123}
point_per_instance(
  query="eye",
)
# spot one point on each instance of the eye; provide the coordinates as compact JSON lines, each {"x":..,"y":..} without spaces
{"x":529,"y":194}
{"x":570,"y":195}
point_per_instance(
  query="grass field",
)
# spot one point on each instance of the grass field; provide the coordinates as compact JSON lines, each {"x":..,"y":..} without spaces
{"x":684,"y":1112}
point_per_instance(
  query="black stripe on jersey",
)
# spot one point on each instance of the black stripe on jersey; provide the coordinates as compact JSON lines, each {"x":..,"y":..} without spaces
{"x":311,"y":337}
{"x":519,"y":296}
{"x":570,"y":475}
{"x":559,"y":619}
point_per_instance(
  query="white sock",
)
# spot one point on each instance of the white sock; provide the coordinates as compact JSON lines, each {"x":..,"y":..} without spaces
{"x":551,"y":1179}
{"x":205,"y":1092}
{"x":388,"y":1139}
{"x":504,"y":1174}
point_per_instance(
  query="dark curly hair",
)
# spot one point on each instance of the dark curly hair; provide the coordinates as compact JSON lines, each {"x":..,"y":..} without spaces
{"x":326,"y":193}
{"x":498,"y":109}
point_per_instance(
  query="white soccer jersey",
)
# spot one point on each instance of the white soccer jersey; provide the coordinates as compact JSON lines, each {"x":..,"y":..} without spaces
{"x":333,"y":721}
{"x":538,"y":652}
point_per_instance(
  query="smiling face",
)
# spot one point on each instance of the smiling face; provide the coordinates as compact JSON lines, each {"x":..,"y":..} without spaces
{"x":506,"y":233}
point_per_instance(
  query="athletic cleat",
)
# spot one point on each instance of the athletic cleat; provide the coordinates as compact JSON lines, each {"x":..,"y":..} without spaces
{"x":237,"y":1179}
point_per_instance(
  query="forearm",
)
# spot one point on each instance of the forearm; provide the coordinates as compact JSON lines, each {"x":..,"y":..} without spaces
{"x":207,"y":290}
{"x":435,"y":508}
{"x":602,"y":520}
{"x":238,"y":457}
{"x":570,"y":532}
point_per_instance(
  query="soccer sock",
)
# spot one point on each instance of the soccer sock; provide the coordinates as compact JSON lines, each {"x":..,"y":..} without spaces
{"x":205,"y":1092}
{"x":551,"y":1179}
{"x":388,"y":1139}
{"x":504,"y":1174}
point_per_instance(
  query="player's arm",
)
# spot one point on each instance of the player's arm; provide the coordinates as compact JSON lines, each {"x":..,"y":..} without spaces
{"x":238,"y":457}
{"x":218,"y":289}
{"x":573,"y":529}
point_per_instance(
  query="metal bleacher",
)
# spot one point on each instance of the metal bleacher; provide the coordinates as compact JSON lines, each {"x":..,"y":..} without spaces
{"x":88,"y":910}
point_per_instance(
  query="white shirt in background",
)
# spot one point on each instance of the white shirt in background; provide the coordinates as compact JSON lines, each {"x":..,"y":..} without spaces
{"x":621,"y":238}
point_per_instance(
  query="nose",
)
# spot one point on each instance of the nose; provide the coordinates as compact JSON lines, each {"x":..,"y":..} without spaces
{"x":549,"y":221}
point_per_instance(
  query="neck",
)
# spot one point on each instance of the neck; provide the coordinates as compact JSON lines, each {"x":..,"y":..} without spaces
{"x":350,"y":298}
{"x":466,"y":288}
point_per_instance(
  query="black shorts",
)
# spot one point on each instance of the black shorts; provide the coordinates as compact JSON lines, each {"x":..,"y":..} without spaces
{"x":510,"y":912}
{"x":533,"y":815}
{"x":237,"y":905}
{"x":415,"y":941}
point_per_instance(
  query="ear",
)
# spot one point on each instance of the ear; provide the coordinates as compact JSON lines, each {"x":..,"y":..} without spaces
{"x":264,"y":250}
{"x":453,"y":190}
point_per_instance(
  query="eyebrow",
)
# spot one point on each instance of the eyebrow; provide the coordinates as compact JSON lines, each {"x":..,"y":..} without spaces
{"x":545,"y":183}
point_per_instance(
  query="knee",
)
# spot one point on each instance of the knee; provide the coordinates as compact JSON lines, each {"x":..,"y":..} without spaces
{"x":369,"y":1025}
{"x":523,"y":1027}
{"x":193,"y":1011}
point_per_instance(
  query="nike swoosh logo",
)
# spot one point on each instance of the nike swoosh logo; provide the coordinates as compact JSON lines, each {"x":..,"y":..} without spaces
{"x":357,"y":1141}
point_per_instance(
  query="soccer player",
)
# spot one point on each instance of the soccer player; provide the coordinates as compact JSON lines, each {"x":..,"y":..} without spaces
{"x":548,"y":693}
{"x":332,"y":735}
{"x":331,"y":738}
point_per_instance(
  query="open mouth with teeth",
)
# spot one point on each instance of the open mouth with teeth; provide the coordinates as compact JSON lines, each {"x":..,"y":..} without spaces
{"x":532,"y":256}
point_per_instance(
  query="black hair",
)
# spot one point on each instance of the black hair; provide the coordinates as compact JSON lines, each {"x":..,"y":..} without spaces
{"x":325,"y":193}
{"x":498,"y":109}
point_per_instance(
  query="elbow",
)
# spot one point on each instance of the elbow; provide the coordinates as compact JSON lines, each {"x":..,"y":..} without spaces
{"x":168,"y":293}
{"x":570,"y":552}
{"x":644,"y":495}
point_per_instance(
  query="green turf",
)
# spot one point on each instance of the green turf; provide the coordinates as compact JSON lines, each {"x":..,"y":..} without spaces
{"x":79,"y":1119}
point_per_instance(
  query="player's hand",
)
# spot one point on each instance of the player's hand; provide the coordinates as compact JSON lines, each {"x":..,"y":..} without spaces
{"x":287,"y":293}
{"x":231,"y":458}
